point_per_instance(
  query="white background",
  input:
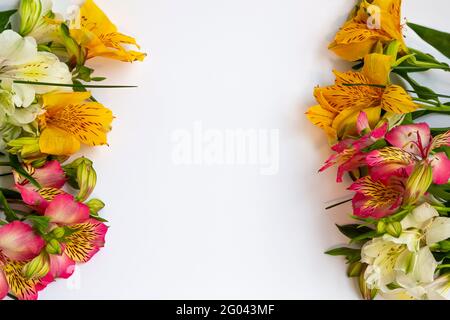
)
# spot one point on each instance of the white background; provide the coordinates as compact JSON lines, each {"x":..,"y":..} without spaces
{"x":226,"y":232}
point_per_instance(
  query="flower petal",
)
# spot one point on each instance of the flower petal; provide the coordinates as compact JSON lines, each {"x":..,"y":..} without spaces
{"x":21,"y":287}
{"x":438,"y":231}
{"x":51,"y":175}
{"x":441,"y":140}
{"x":4,"y":287}
{"x":64,"y":210}
{"x":441,"y":168}
{"x":61,"y":266}
{"x":19,"y":242}
{"x":85,"y":240}
{"x":362,"y":123}
{"x":377,"y":68}
{"x":55,"y":141}
{"x":419,"y":217}
{"x":38,"y":199}
{"x":396,"y":99}
{"x":407,"y":137}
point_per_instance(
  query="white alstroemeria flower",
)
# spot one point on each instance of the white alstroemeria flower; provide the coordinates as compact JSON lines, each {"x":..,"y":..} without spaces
{"x":407,"y":261}
{"x":20,"y":60}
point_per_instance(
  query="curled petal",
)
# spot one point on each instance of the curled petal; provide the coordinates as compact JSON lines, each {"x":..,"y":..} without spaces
{"x":64,"y":210}
{"x":389,"y":161}
{"x":362,"y":123}
{"x":442,"y":140}
{"x":438,"y":231}
{"x":19,"y":242}
{"x":51,"y":175}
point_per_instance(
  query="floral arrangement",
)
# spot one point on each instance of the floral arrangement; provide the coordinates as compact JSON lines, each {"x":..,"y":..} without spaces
{"x":373,"y":118}
{"x":48,"y":223}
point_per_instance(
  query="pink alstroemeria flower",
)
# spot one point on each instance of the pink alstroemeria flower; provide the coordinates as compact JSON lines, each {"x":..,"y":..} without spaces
{"x":18,"y":244}
{"x":83,"y":237}
{"x":411,"y":144}
{"x":51,"y":178}
{"x":375,"y":198}
{"x":349,"y":154}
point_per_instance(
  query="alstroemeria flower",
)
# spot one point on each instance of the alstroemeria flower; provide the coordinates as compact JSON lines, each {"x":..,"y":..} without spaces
{"x":360,"y":34}
{"x":349,"y":152}
{"x":51,"y":178}
{"x":18,"y":244}
{"x":339,"y":105}
{"x":37,"y":20}
{"x":99,"y":36}
{"x":70,"y":120}
{"x":407,"y":261}
{"x":21,"y":60}
{"x":83,"y":238}
{"x":411,"y":144}
{"x":376,"y":198}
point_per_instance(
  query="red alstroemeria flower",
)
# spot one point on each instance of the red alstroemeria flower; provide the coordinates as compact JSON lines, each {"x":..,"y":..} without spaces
{"x":349,"y":153}
{"x":83,"y":237}
{"x":411,"y":144}
{"x":18,"y":244}
{"x":375,"y":198}
{"x":51,"y":178}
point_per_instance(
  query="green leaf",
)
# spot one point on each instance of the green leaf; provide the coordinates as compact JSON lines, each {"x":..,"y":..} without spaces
{"x":98,"y":79}
{"x":421,"y":91}
{"x":352,"y":255}
{"x":40,"y":223}
{"x":438,"y":39}
{"x":353,"y":230}
{"x":5,"y":17}
{"x":377,"y":145}
{"x":365,"y":236}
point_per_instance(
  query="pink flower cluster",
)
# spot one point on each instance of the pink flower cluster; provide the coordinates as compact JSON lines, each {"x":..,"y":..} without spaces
{"x":394,"y":167}
{"x":57,"y":233}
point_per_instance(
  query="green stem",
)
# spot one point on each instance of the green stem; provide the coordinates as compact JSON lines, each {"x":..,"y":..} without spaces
{"x":442,"y":266}
{"x":9,"y":213}
{"x":38,"y":83}
{"x":442,"y":209}
{"x":337,"y":204}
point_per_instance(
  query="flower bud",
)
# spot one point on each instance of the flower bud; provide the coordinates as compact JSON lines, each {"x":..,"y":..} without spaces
{"x":30,"y":12}
{"x":95,"y":205}
{"x":354,"y":269}
{"x":58,"y":232}
{"x":366,"y":292}
{"x":77,"y":55}
{"x":25,"y":147}
{"x":38,"y":267}
{"x":381,"y":227}
{"x":53,"y":247}
{"x":394,"y":229}
{"x":82,"y":176}
{"x":418,"y":183}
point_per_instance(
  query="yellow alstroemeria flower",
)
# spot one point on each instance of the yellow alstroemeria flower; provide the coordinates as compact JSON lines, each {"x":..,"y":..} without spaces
{"x":339,"y":105}
{"x":99,"y":36}
{"x":375,"y":21}
{"x":70,"y":120}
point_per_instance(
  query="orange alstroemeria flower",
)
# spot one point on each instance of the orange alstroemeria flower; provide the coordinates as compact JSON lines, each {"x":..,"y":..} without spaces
{"x":99,"y":36}
{"x":369,"y":90}
{"x":70,"y":120}
{"x":376,"y":21}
